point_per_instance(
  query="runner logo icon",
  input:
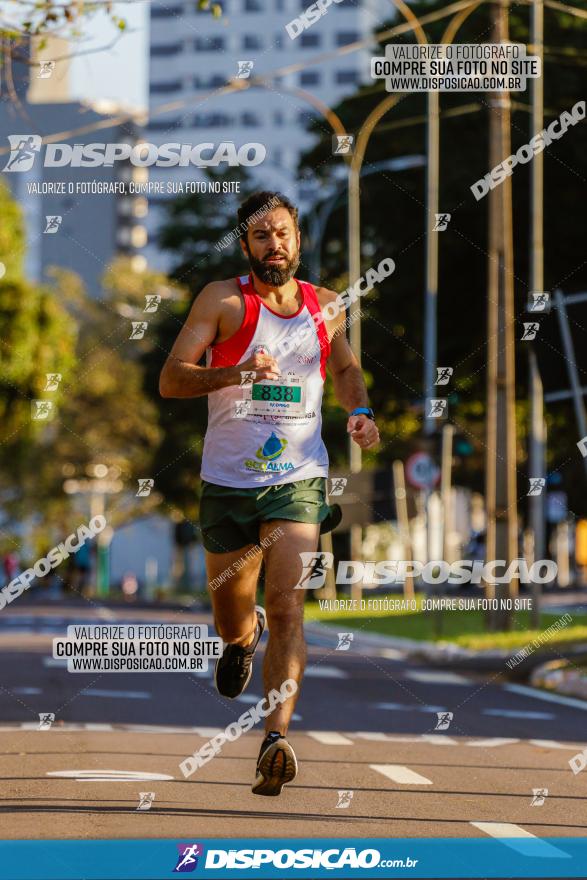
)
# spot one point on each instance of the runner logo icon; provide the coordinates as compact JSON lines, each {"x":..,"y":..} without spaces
{"x":23,"y":151}
{"x":187,"y":859}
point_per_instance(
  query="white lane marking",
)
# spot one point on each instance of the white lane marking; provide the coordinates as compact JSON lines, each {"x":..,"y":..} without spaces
{"x":492,"y":741}
{"x":552,"y":744}
{"x":429,"y":738}
{"x":328,"y":738}
{"x":123,"y":695}
{"x":110,"y":775}
{"x":54,"y":661}
{"x":324,"y":672}
{"x":519,"y":713}
{"x":392,"y":654}
{"x":98,"y":728}
{"x":401,"y":774}
{"x":431,"y":676}
{"x":438,"y":739}
{"x":25,"y":690}
{"x":254,"y":698}
{"x":106,"y":614}
{"x":548,"y":697}
{"x":406,"y":707}
{"x":520,"y":840}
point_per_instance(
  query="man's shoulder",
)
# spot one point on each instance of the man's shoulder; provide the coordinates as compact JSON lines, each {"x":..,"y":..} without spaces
{"x":218,"y":290}
{"x":325,"y":295}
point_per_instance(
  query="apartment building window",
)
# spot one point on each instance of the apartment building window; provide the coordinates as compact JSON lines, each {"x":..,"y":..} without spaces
{"x":250,"y":120}
{"x":212,"y":120}
{"x":306,"y":119}
{"x":253,"y":6}
{"x":309,"y":78}
{"x":344,"y":38}
{"x":165,"y":88}
{"x":165,"y":50}
{"x":164,"y":124}
{"x":212,"y":82}
{"x":252,"y":41}
{"x":310,"y":41}
{"x":165,"y":11}
{"x":209,"y":44}
{"x":347,"y":77}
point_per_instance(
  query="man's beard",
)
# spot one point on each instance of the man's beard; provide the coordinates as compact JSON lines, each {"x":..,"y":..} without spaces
{"x":273,"y":274}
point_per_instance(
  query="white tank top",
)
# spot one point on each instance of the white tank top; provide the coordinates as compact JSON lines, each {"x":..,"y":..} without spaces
{"x":265,"y":433}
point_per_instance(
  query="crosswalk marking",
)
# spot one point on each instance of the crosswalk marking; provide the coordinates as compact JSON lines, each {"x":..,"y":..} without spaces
{"x":542,"y":695}
{"x":324,"y":672}
{"x":328,"y":738}
{"x":399,"y":773}
{"x":116,"y":695}
{"x":407,"y":707}
{"x":519,"y":713}
{"x":520,"y":840}
{"x":432,"y":676}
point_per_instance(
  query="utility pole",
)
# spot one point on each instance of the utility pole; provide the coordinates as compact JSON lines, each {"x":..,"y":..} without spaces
{"x":537,"y":438}
{"x":431,"y":300}
{"x":501,"y":507}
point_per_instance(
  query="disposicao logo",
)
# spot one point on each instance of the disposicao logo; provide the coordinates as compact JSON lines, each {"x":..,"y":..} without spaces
{"x":25,"y":147}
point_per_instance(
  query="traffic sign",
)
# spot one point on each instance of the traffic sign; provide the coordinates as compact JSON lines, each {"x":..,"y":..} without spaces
{"x":421,"y":471}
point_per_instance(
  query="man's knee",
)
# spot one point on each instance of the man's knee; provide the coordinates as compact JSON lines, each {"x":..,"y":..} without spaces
{"x":285,"y":619}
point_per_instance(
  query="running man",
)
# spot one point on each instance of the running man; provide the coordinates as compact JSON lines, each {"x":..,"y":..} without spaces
{"x":264,"y":465}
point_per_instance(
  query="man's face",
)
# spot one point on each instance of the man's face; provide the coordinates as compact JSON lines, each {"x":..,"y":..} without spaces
{"x":273,"y":247}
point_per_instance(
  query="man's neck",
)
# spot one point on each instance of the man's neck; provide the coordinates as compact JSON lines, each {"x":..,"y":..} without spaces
{"x":280,"y":295}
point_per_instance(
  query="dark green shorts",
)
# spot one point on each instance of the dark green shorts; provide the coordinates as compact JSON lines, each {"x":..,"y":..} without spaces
{"x":230,"y":518}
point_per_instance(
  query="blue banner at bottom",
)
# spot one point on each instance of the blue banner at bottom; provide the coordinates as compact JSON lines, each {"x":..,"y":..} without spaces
{"x":273,"y":858}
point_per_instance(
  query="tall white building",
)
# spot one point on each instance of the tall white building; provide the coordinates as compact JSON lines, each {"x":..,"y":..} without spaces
{"x":193,"y":54}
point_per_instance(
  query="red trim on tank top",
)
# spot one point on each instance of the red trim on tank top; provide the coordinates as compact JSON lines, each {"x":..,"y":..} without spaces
{"x":229,"y":352}
{"x":278,"y":314}
{"x":311,"y":300}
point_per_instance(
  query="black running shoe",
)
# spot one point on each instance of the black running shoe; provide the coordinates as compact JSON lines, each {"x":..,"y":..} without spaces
{"x":276,"y":765}
{"x":235,"y":667}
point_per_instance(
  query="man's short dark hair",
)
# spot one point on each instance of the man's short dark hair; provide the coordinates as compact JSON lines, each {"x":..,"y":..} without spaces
{"x":261,"y":203}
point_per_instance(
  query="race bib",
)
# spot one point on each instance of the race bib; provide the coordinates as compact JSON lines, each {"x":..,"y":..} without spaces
{"x":268,"y":397}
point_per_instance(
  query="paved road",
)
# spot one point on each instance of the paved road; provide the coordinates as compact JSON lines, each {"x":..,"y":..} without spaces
{"x":366,"y":724}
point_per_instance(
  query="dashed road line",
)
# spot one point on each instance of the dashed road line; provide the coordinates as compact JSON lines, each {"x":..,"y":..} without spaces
{"x":328,"y":738}
{"x":400,"y":774}
{"x":432,"y":676}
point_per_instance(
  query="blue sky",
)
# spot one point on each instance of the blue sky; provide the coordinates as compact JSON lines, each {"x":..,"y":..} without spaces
{"x":120,"y":72}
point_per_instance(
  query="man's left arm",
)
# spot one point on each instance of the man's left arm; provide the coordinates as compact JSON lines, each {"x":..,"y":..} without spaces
{"x":349,"y":385}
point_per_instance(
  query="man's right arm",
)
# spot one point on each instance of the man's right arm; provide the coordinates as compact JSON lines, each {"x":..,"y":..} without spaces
{"x":181,"y":376}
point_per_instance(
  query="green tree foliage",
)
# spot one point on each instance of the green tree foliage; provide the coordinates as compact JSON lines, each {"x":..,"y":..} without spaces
{"x":393,"y":223}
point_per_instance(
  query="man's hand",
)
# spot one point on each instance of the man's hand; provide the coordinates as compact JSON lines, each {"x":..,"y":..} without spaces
{"x":264,"y":365}
{"x":363,"y":431}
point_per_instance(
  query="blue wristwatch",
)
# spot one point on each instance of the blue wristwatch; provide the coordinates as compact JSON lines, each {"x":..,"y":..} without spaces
{"x":363,"y":411}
